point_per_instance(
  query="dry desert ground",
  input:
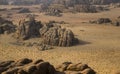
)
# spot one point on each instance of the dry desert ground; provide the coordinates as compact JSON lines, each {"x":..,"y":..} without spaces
{"x":99,"y":44}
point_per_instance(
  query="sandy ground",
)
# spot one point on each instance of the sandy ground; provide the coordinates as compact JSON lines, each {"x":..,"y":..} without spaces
{"x":99,"y":44}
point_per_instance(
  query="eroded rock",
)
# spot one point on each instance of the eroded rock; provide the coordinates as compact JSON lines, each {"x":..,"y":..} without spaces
{"x":6,"y":26}
{"x":28,"y":66}
{"x":56,"y":36}
{"x":28,"y":29}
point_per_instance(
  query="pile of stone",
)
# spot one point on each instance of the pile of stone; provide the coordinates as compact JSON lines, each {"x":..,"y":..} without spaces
{"x":6,"y":26}
{"x":57,"y":36}
{"x":28,"y":29}
{"x":28,"y":66}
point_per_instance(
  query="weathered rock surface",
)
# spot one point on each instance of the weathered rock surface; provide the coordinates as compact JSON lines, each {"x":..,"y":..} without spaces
{"x":6,"y":26}
{"x":85,"y":8}
{"x":51,"y":34}
{"x":28,"y":29}
{"x":79,"y":68}
{"x":56,"y":36}
{"x":28,"y":66}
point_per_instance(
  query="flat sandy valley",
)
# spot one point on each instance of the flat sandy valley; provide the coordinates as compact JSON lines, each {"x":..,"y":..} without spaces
{"x":99,"y":45}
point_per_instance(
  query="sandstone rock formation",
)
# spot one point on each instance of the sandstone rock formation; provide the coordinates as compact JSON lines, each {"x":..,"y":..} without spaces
{"x":28,"y":66}
{"x":57,"y":36}
{"x":52,"y":34}
{"x":79,"y":68}
{"x":28,"y":29}
{"x":6,"y":26}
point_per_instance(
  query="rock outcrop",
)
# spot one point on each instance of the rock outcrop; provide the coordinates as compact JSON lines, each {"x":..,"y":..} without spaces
{"x":6,"y":26}
{"x":28,"y":66}
{"x":103,"y":2}
{"x":28,"y":29}
{"x":56,"y":36}
{"x":51,"y":34}
{"x":79,"y":68}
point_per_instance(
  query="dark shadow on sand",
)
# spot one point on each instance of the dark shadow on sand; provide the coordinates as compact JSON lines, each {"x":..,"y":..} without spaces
{"x":81,"y":42}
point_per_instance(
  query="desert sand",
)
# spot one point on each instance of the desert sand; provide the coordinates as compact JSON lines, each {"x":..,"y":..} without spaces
{"x":99,"y":44}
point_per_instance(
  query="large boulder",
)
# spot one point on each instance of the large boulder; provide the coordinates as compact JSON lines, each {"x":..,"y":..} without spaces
{"x":28,"y":29}
{"x":57,"y":36}
{"x":6,"y":26}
